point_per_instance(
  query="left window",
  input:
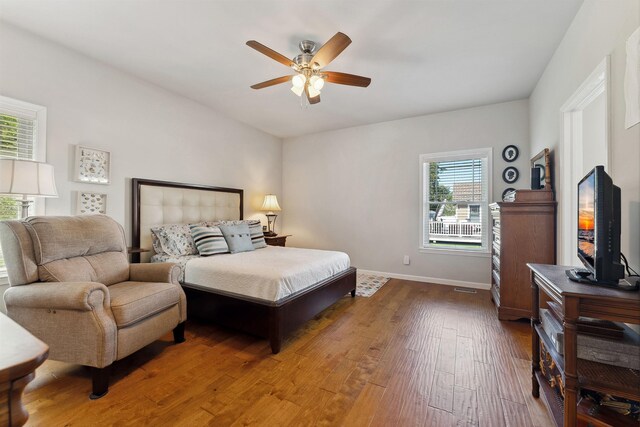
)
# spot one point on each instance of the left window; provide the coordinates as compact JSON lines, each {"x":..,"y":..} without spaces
{"x":22,"y":136}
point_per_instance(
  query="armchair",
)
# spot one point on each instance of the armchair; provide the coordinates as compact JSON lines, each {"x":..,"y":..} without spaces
{"x":72,"y":286}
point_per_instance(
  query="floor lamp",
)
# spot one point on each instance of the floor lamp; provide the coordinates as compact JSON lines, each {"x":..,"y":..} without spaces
{"x":26,"y":178}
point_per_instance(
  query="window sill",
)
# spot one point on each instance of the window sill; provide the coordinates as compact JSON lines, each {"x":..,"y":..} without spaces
{"x":459,"y":252}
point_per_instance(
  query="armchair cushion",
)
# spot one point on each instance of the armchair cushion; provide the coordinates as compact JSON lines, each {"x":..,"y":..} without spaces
{"x":107,"y":268}
{"x":83,"y":296}
{"x":132,"y":302}
{"x":58,"y":237}
{"x":154,"y":272}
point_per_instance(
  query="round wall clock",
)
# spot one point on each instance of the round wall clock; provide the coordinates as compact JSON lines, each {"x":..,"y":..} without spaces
{"x":510,"y":175}
{"x":510,"y":153}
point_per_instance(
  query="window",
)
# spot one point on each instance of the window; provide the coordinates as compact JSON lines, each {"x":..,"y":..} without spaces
{"x":22,"y":136}
{"x":455,"y":194}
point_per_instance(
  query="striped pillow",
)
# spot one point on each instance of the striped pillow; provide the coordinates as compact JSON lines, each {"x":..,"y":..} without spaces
{"x":257,"y":236}
{"x":209,"y":240}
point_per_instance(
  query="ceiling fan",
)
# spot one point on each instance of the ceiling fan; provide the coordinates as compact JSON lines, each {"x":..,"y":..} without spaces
{"x":310,"y":77}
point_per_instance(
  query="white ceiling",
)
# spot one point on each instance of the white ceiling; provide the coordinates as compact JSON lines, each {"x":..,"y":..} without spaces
{"x":423,"y":56}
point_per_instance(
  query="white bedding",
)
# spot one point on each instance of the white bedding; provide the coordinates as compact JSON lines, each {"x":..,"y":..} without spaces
{"x":270,"y":274}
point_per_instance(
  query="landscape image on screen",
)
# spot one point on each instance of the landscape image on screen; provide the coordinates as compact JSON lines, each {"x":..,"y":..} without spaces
{"x":586,"y":218}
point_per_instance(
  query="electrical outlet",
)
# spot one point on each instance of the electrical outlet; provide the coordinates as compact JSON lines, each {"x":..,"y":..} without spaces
{"x":406,"y":260}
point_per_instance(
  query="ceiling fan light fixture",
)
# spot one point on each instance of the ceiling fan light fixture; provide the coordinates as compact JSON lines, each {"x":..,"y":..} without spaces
{"x":299,"y":80}
{"x":313,"y":92}
{"x":297,"y":90}
{"x":316,"y":82}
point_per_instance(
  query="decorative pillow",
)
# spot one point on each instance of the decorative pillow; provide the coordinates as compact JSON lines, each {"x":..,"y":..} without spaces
{"x":155,"y":242}
{"x":255,"y":229}
{"x":174,"y":239}
{"x":238,"y":237}
{"x":209,"y":240}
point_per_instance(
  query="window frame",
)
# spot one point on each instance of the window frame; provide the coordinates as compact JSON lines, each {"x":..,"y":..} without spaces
{"x":481,"y":153}
{"x":14,"y":106}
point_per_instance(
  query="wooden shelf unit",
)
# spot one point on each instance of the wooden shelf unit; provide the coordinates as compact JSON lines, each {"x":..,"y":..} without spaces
{"x":522,"y":232}
{"x":549,"y":283}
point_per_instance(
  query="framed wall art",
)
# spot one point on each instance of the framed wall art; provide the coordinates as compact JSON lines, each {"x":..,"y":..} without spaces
{"x":510,"y":175}
{"x":92,"y":165}
{"x":510,"y":153}
{"x":89,"y":203}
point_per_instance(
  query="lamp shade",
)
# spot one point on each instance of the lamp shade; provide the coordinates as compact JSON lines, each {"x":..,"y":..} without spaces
{"x":27,"y":178}
{"x":270,"y":203}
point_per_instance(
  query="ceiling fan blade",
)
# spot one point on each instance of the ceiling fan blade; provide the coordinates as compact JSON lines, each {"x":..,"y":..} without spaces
{"x":331,"y":49}
{"x":346,"y":79}
{"x":270,"y":53}
{"x":313,"y":100}
{"x":271,"y":82}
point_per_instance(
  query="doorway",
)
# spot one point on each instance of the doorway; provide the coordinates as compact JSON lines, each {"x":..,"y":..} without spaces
{"x":584,"y":144}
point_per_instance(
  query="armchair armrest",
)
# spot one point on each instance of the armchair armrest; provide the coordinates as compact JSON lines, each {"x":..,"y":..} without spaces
{"x":83,"y":296}
{"x":164,"y":272}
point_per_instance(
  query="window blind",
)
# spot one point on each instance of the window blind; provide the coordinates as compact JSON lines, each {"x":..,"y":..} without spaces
{"x":18,"y":138}
{"x":457,"y":180}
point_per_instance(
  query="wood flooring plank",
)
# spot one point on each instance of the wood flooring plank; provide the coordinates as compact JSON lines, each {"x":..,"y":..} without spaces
{"x":490,"y":411}
{"x":441,"y":395}
{"x":439,"y":418}
{"x":447,"y":351}
{"x":516,"y":414}
{"x":365,"y":406}
{"x":465,"y":375}
{"x":465,"y":406}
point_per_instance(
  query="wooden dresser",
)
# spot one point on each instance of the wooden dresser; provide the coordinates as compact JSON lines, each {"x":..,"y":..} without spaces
{"x":20,"y":354}
{"x":523,"y":232}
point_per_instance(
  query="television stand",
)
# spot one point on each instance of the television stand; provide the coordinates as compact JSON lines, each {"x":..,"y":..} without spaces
{"x":562,"y":398}
{"x":584,"y":276}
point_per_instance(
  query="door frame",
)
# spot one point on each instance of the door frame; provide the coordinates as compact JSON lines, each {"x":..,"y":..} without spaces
{"x":598,"y":83}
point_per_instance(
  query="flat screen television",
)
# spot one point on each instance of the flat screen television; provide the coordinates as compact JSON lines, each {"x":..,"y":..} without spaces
{"x":599,"y":229}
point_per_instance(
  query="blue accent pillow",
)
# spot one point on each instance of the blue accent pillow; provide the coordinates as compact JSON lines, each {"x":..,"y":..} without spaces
{"x":238,"y":237}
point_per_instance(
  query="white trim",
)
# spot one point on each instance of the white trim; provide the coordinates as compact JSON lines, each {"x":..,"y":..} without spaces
{"x":450,"y":156}
{"x":456,"y":252}
{"x":598,"y":83}
{"x":424,"y":279}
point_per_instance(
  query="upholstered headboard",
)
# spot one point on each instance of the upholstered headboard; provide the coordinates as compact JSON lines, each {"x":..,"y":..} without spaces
{"x":161,"y":202}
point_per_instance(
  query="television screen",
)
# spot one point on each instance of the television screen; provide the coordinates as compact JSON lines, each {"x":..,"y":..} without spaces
{"x":586,"y":218}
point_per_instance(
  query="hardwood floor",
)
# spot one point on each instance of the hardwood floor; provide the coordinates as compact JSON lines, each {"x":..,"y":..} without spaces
{"x":413,"y":354}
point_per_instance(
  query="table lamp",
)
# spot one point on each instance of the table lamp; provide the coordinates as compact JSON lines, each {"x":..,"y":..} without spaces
{"x":26,"y":178}
{"x":270,"y":205}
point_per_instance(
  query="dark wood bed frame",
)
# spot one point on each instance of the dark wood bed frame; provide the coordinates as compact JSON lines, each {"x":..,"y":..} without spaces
{"x":271,"y":320}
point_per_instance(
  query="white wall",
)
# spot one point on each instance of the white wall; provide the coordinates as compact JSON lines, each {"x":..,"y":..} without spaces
{"x":600,"y":28}
{"x":150,"y":132}
{"x":357,"y":189}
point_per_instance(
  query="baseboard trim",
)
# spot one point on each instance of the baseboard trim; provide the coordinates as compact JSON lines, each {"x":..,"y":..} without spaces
{"x":436,"y":280}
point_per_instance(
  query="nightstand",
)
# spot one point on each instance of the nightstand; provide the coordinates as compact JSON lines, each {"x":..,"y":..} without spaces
{"x":277,"y":240}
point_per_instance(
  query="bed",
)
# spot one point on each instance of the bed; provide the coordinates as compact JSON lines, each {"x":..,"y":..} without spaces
{"x":272,"y":312}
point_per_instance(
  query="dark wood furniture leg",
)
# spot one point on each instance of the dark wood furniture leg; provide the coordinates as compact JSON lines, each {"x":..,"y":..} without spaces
{"x":178,"y":333}
{"x":275,"y":330}
{"x":535,"y":339}
{"x":100,"y":380}
{"x":570,"y":306}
